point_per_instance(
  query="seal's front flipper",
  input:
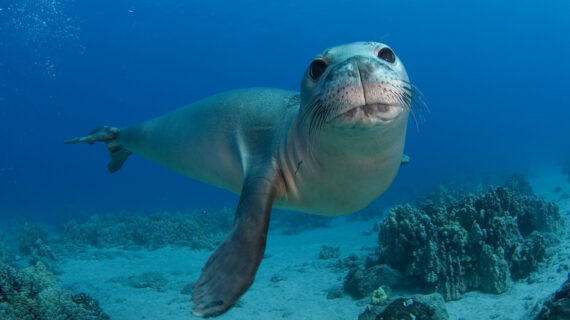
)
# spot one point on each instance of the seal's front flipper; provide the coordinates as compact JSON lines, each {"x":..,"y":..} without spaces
{"x":231,"y":269}
{"x":109,"y":135}
{"x":405,"y":159}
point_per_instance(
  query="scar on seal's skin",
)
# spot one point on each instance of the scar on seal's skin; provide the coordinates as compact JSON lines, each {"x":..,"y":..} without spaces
{"x":298,"y":166}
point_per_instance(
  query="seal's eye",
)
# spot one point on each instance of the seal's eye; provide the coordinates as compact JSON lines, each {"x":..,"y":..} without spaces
{"x":317,"y":68}
{"x":387,"y":54}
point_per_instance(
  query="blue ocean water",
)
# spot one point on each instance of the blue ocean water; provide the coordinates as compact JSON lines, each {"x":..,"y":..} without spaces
{"x":494,"y":74}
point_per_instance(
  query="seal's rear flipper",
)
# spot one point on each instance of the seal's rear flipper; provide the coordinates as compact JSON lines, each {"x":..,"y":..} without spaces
{"x":231,"y":269}
{"x":109,"y":135}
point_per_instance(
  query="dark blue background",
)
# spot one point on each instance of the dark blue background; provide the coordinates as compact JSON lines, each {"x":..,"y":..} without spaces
{"x":495,"y":75}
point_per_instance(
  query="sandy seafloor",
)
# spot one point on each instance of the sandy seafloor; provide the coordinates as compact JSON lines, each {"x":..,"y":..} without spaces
{"x":305,"y":280}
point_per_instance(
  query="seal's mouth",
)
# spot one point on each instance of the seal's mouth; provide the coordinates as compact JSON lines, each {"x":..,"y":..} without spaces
{"x":368,"y":114}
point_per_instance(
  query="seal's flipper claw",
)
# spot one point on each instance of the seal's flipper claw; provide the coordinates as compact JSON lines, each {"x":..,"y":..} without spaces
{"x":100,"y":134}
{"x":109,"y":135}
{"x":231,"y":269}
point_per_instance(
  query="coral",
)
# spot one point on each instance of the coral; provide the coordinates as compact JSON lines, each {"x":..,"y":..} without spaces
{"x":378,"y":296}
{"x":295,"y":222}
{"x":328,"y":252}
{"x":4,"y":255}
{"x":197,"y":230}
{"x":477,"y":242}
{"x":33,"y":241}
{"x":29,"y":235}
{"x":445,"y":194}
{"x":428,"y":307}
{"x":31,"y":293}
{"x":89,"y":304}
{"x":518,"y":184}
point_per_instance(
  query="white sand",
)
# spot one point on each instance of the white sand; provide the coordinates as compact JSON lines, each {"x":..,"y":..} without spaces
{"x":302,"y":293}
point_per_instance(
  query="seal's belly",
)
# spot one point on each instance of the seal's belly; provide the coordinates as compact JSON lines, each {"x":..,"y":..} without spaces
{"x":341,"y":194}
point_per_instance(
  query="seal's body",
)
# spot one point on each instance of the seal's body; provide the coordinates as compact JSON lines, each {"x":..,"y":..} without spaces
{"x":331,"y":149}
{"x":213,"y":142}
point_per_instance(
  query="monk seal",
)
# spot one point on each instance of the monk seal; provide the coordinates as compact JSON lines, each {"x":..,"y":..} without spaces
{"x":331,"y":149}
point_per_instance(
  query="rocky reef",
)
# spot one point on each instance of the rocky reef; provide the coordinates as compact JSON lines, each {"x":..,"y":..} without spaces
{"x":197,"y":230}
{"x":556,"y":307}
{"x":31,"y":293}
{"x":34,"y":243}
{"x":451,"y":245}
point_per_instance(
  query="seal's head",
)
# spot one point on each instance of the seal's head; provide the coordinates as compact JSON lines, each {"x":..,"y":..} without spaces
{"x":361,"y":86}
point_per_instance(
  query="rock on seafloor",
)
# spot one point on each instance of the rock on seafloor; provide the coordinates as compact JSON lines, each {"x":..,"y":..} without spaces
{"x":360,"y":282}
{"x":428,"y":307}
{"x":556,"y":307}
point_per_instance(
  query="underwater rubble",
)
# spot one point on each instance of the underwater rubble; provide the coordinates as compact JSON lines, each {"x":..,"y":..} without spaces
{"x":451,"y":244}
{"x":196,"y":230}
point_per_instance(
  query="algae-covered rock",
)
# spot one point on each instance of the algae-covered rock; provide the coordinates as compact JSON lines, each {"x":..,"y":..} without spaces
{"x":328,"y":252}
{"x":476,"y":242}
{"x":378,"y":296}
{"x":428,"y":307}
{"x":31,"y":293}
{"x":360,"y":282}
{"x":150,"y":280}
{"x":408,"y":309}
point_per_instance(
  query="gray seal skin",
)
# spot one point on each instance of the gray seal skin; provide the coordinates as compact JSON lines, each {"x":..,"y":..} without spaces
{"x":330,"y":150}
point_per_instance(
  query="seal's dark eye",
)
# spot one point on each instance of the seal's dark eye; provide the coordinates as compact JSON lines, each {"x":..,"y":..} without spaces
{"x":387,"y":54}
{"x":317,"y":68}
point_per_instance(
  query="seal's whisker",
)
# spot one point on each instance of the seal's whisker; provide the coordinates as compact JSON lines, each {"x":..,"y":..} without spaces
{"x":311,"y":113}
{"x":317,"y":116}
{"x":407,"y":98}
{"x":414,"y":106}
{"x":415,"y":119}
{"x":416,"y":101}
{"x":417,"y":94}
